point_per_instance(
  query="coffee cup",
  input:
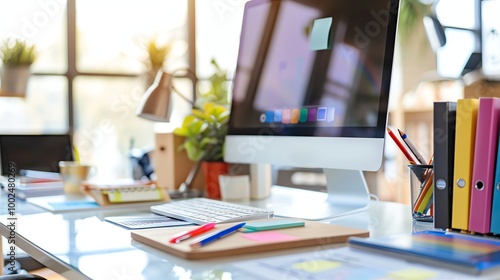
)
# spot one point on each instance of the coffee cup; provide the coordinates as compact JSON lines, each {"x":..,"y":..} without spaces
{"x":73,"y":174}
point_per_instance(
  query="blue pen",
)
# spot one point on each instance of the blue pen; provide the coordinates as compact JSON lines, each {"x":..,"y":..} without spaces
{"x":217,"y":235}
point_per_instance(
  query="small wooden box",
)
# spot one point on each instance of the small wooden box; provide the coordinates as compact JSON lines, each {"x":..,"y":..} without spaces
{"x":172,"y":165}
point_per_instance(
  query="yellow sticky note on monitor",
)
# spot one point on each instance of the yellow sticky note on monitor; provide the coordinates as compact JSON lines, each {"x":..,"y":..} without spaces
{"x":316,"y":266}
{"x":412,"y":274}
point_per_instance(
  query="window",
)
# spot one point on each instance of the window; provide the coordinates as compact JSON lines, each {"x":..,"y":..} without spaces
{"x":109,"y":84}
{"x":462,"y":27}
{"x":218,"y":26}
{"x":88,"y":78}
{"x":45,"y":109}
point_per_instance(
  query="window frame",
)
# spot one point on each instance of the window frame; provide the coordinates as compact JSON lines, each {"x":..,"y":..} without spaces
{"x":72,"y":72}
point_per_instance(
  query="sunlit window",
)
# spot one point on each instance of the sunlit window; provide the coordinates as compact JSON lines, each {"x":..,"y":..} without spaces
{"x":218,"y":32}
{"x":104,"y":75}
{"x":112,"y":34}
{"x":101,"y":65}
{"x":458,"y":13}
{"x":90,"y":82}
{"x":43,"y":111}
{"x":461,"y":22}
{"x":45,"y":108}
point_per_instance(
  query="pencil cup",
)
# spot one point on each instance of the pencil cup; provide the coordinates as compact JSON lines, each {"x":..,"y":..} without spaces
{"x":421,"y":189}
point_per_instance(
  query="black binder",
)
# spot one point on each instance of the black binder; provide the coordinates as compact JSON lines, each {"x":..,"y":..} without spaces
{"x":444,"y":154}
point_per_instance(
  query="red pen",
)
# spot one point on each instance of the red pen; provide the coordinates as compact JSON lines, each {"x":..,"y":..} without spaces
{"x":401,"y":147}
{"x":190,"y":233}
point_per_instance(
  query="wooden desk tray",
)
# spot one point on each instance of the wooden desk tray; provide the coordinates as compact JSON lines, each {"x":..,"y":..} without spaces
{"x":312,"y":234}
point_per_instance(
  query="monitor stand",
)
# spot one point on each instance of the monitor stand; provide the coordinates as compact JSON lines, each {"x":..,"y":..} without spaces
{"x":347,"y":192}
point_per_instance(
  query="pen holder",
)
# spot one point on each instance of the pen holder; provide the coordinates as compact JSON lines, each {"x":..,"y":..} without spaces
{"x":421,"y":190}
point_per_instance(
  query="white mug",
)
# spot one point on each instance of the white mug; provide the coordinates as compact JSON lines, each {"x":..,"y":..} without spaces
{"x":234,"y":187}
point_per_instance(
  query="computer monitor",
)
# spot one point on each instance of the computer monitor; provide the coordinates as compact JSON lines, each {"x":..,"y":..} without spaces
{"x":311,"y":89}
{"x":34,"y":152}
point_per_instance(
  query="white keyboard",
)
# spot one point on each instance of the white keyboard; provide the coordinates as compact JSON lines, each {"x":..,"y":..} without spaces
{"x":203,"y":210}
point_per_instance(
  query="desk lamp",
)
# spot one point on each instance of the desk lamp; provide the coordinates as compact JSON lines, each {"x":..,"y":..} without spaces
{"x":156,"y":106}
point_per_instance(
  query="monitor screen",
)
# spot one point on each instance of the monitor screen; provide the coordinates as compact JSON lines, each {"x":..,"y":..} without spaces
{"x":313,"y":68}
{"x":311,"y":89}
{"x":34,"y":152}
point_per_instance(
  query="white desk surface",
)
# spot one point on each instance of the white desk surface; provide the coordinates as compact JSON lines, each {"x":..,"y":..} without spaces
{"x":83,"y":246}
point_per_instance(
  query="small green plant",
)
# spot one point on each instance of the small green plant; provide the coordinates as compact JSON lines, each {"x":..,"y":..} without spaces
{"x":204,"y":131}
{"x":17,"y":52}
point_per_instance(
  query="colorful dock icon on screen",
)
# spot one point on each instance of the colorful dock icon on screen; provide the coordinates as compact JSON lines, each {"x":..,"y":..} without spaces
{"x":294,"y":118}
{"x":285,"y":119}
{"x":321,"y":117}
{"x":303,"y":115}
{"x":278,"y":115}
{"x":298,"y":115}
{"x":330,"y":115}
{"x":269,"y":117}
{"x":312,"y":114}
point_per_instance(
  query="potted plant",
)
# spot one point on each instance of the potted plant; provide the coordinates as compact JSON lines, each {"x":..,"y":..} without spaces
{"x":218,"y":92}
{"x":204,"y":131}
{"x":17,"y":57}
{"x":157,"y":54}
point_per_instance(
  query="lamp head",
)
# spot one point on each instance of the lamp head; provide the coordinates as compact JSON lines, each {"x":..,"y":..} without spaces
{"x":155,"y":104}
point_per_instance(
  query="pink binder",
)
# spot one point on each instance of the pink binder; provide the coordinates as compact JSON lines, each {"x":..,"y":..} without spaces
{"x":483,"y":172}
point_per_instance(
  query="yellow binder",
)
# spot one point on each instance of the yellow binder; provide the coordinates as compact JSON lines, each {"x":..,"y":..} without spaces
{"x":465,"y":135}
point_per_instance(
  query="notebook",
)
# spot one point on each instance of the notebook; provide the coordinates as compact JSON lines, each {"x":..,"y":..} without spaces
{"x":448,"y":250}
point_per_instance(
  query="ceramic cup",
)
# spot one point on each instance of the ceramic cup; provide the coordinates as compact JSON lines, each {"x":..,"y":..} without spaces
{"x":73,"y":174}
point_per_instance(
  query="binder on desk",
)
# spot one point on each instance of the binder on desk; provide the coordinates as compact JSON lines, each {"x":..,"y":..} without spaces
{"x":465,"y":138}
{"x":484,"y":164}
{"x":495,"y":204}
{"x":444,"y":154}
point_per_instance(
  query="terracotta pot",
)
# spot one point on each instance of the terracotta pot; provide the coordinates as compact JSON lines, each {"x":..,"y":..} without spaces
{"x":211,"y":171}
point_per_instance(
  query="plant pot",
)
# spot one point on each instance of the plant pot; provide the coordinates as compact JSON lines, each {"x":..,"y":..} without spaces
{"x":15,"y":79}
{"x":211,"y":171}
